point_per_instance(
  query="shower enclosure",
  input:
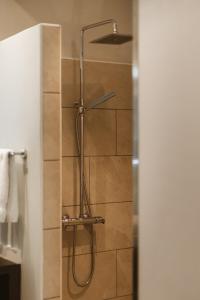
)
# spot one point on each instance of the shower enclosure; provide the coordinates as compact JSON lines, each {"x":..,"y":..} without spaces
{"x":85,"y":215}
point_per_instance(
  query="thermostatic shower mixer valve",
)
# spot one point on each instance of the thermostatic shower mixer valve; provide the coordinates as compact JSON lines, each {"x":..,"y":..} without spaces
{"x":86,"y":220}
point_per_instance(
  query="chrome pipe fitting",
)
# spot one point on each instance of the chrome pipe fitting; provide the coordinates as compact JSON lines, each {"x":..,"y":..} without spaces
{"x":81,"y":109}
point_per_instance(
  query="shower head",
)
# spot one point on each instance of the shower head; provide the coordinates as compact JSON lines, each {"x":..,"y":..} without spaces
{"x":101,"y":100}
{"x":113,"y":39}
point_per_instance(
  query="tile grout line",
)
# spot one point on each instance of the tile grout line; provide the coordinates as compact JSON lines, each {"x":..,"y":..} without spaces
{"x":116,"y":273}
{"x":51,"y":228}
{"x":99,"y":109}
{"x":119,"y":297}
{"x":116,"y":132}
{"x":51,"y":160}
{"x":51,"y":92}
{"x":100,"y":155}
{"x":101,"y":251}
{"x":52,"y":298}
{"x":95,"y":61}
{"x":99,"y":203}
{"x":88,"y":253}
{"x":61,"y":172}
{"x":89,"y":191}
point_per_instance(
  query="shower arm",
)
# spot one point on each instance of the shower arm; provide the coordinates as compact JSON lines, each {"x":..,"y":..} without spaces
{"x":83,"y":29}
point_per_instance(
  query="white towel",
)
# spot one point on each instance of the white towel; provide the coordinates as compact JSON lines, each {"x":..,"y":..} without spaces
{"x":13,"y":206}
{"x":4,"y":183}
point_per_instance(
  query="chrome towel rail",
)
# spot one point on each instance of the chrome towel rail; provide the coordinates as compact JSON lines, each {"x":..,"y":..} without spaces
{"x":22,"y":153}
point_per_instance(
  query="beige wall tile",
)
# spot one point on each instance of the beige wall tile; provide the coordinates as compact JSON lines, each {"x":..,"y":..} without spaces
{"x":51,"y":194}
{"x":51,"y":263}
{"x":51,"y":126}
{"x":100,"y":78}
{"x":103,"y":284}
{"x":124,"y":132}
{"x":51,"y":58}
{"x":69,"y":144}
{"x":100,"y":132}
{"x":111,"y":179}
{"x":124,"y":272}
{"x":71,"y":182}
{"x":116,"y":233}
{"x":70,"y":82}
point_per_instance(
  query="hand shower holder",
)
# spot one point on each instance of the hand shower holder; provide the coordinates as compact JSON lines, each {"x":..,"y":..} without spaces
{"x":67,"y":221}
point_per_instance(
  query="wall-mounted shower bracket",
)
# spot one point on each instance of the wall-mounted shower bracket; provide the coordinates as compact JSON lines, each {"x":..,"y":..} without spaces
{"x":67,"y":221}
{"x":81,"y":109}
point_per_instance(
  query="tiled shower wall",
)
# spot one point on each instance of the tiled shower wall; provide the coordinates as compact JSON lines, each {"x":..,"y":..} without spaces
{"x":51,"y":108}
{"x":108,"y":150}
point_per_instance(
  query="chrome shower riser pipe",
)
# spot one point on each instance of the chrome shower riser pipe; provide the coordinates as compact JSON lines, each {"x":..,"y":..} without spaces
{"x":81,"y":215}
{"x":82,"y":104}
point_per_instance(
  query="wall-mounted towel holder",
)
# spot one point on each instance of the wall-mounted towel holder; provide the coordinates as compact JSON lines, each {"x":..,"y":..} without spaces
{"x":23,"y":153}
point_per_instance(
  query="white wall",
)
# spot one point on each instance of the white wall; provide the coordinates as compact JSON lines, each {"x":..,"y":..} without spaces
{"x":16,"y":15}
{"x":169,"y":202}
{"x":20,"y":127}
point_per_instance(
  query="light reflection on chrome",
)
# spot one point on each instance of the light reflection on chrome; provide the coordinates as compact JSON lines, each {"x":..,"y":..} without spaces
{"x":135,"y":72}
{"x":135,"y":161}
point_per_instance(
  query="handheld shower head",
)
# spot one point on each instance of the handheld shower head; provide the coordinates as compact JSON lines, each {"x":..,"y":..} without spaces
{"x":101,"y":100}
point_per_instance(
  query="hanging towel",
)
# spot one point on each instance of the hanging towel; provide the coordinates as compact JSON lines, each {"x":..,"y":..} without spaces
{"x":13,"y":205}
{"x":4,"y":183}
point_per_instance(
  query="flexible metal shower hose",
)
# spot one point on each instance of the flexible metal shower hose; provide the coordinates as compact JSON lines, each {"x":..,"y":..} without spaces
{"x":90,"y":227}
